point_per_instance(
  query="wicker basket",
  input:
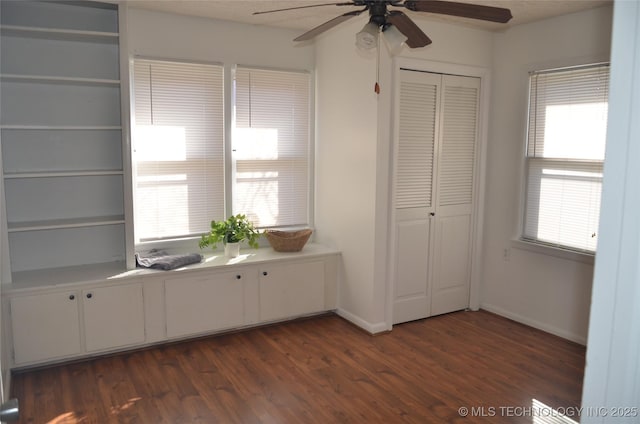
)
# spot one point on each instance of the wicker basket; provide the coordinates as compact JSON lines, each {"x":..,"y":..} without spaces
{"x":288,"y":241}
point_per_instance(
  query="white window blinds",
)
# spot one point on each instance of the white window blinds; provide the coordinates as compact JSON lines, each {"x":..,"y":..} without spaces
{"x":459,"y":128}
{"x":178,"y":148}
{"x":565,"y":152}
{"x":271,"y":145}
{"x":416,"y":144}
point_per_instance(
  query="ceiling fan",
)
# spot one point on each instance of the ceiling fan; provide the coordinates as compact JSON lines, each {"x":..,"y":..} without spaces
{"x":392,"y":21}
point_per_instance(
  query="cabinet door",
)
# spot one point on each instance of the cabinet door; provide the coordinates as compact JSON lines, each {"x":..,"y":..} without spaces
{"x":204,"y":304}
{"x":45,"y":327}
{"x":113,"y":316}
{"x":291,"y":290}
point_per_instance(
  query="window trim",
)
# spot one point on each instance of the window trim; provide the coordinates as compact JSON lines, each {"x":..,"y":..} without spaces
{"x":229,"y":173}
{"x":519,"y":241}
{"x":553,"y":250}
{"x":229,"y":77}
{"x":186,"y":244}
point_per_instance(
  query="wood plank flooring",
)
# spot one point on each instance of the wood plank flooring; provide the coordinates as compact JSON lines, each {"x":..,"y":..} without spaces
{"x":320,"y":370}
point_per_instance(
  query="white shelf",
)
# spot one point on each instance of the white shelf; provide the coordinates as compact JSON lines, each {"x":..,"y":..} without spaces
{"x":60,"y":127}
{"x":60,"y":174}
{"x":61,"y":34}
{"x":52,"y":277}
{"x":59,"y":80}
{"x":57,"y":224}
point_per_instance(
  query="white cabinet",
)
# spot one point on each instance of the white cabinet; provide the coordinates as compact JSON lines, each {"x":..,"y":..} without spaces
{"x":205,"y":303}
{"x":61,"y":131}
{"x":57,"y":315}
{"x":113,"y":316}
{"x":45,"y":326}
{"x":290,"y":290}
{"x":69,"y":323}
{"x":434,"y":193}
{"x":249,"y":295}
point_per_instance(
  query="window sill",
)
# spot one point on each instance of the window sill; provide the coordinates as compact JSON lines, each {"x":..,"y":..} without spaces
{"x":190,"y":244}
{"x":116,"y":272}
{"x":557,"y":252}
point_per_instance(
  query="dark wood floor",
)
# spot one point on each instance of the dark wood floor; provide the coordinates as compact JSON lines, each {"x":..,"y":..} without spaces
{"x":319,"y":370}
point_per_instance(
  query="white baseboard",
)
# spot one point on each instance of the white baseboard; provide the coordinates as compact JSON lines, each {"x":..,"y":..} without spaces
{"x":535,"y":324}
{"x":370,"y":328}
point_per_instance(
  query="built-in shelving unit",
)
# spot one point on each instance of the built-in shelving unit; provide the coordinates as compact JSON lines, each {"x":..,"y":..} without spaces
{"x":61,"y":134}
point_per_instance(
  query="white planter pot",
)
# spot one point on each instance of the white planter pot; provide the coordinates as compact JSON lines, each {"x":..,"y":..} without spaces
{"x":232,"y":250}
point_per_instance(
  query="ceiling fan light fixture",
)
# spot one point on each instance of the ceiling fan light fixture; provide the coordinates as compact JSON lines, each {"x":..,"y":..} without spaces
{"x":367,"y":38}
{"x":395,"y":39}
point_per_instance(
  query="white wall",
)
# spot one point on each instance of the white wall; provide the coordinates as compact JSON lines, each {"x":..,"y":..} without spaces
{"x":347,"y":126}
{"x":353,"y":154}
{"x":164,"y":35}
{"x":544,"y":291}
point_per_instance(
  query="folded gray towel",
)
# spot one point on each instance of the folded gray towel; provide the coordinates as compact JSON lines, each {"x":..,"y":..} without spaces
{"x":159,"y":259}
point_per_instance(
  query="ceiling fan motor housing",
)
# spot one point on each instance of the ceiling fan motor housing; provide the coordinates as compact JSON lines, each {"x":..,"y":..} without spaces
{"x":378,"y":13}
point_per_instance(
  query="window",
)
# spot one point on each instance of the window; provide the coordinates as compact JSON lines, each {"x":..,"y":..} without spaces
{"x":565,"y":154}
{"x":178,"y":148}
{"x":179,"y":161}
{"x":271,"y":147}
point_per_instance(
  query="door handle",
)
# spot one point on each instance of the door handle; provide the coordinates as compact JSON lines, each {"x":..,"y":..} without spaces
{"x":9,"y":411}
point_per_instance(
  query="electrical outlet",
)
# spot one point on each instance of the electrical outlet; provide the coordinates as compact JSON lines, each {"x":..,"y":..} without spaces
{"x":506,"y":254}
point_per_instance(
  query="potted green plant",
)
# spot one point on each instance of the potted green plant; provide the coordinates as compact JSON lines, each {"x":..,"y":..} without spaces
{"x":231,"y":232}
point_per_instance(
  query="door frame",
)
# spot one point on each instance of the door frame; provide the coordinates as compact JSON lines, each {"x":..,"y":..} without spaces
{"x":479,"y":173}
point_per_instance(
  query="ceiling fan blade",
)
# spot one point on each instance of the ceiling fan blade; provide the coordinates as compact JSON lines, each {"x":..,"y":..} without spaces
{"x":415,"y":36}
{"x":305,"y":7}
{"x":328,"y":25}
{"x":465,"y":10}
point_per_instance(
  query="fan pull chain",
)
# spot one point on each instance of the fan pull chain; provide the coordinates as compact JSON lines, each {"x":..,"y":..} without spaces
{"x":376,"y":87}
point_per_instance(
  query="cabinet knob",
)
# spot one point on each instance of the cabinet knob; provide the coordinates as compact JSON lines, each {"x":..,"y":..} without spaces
{"x":72,"y":296}
{"x":238,"y":277}
{"x":432,"y":213}
{"x":89,"y":295}
{"x":265,"y":273}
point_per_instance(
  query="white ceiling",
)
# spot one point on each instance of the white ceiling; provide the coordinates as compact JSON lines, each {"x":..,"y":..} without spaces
{"x":523,"y":11}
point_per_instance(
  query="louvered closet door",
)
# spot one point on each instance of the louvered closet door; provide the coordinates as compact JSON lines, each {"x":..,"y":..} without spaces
{"x":415,"y":152}
{"x":455,"y":194}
